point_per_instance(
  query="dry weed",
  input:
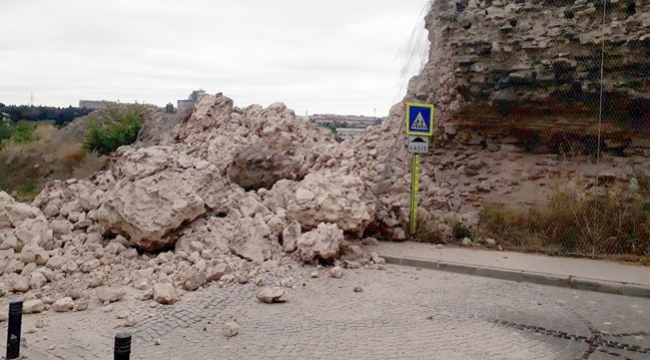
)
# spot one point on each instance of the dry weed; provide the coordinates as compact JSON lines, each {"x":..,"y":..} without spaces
{"x":88,"y":165}
{"x":574,"y":222}
{"x":45,"y":132}
{"x":25,"y":167}
{"x":67,"y":152}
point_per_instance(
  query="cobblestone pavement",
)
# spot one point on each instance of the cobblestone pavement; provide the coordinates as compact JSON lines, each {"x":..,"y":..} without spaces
{"x":402,"y":313}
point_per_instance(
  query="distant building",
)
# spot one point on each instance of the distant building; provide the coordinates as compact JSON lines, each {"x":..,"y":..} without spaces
{"x":345,"y":125}
{"x":194,"y":97}
{"x":350,"y":121}
{"x":345,"y":133}
{"x":94,"y":104}
{"x":5,"y":117}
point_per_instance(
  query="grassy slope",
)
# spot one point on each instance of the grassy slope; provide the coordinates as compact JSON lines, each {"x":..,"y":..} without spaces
{"x":44,"y":153}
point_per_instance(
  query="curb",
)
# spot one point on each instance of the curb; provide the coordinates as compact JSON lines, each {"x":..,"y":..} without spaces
{"x":571,"y":282}
{"x":29,"y":354}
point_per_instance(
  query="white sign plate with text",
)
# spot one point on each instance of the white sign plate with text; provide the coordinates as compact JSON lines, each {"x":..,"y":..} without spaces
{"x":418,"y":144}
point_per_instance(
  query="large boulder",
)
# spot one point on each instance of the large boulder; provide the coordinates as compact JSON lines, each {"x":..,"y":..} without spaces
{"x":156,"y":196}
{"x":326,"y":197}
{"x":321,"y":243}
{"x":251,"y":241}
{"x":265,"y":162}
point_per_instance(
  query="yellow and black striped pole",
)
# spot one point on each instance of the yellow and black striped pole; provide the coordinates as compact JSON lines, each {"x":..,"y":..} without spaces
{"x":415,"y":181}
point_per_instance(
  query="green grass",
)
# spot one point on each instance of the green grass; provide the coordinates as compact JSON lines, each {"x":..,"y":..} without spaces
{"x":18,"y":132}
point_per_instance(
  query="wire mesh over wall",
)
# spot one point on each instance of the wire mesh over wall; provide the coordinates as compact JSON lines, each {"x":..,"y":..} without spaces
{"x":564,"y":85}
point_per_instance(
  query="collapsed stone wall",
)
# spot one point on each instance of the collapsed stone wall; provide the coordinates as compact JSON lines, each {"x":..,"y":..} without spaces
{"x":196,"y":205}
{"x":528,"y":73}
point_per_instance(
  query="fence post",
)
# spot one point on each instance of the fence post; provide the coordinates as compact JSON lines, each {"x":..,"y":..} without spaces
{"x":122,"y":350}
{"x":13,"y":329}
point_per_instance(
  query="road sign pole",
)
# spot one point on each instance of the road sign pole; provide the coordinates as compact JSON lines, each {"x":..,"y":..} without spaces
{"x":419,"y":127}
{"x":415,"y":180}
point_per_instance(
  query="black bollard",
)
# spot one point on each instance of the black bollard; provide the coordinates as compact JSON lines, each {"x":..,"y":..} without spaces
{"x":122,"y":346}
{"x":13,"y":330}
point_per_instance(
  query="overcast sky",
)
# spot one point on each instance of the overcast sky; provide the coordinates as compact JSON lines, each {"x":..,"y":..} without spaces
{"x":335,"y":56}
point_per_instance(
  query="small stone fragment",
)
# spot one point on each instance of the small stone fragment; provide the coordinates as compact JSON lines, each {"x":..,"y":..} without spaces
{"x":287,"y":283}
{"x":74,"y":292}
{"x":63,"y":305}
{"x":272,"y":295}
{"x":194,"y":281}
{"x":378,"y":259}
{"x":370,"y":241}
{"x":69,"y":267}
{"x":349,"y":264}
{"x":230,"y":329}
{"x":336,"y":272}
{"x":19,"y":284}
{"x":33,"y":306}
{"x":164,"y":293}
{"x":95,"y":280}
{"x":109,"y":294}
{"x":90,"y":265}
{"x":81,"y":305}
{"x":358,"y":289}
{"x":142,"y":285}
{"x":241,"y":278}
{"x":55,"y":262}
{"x":130,"y":321}
{"x":218,"y":271}
{"x":122,"y":314}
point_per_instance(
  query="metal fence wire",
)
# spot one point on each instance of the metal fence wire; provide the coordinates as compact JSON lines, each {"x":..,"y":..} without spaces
{"x":556,"y":93}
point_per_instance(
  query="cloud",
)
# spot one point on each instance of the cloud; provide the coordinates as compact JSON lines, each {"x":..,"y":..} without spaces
{"x":319,"y":55}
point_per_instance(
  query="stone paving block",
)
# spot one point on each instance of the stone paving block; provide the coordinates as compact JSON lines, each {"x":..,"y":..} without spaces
{"x":403,"y":313}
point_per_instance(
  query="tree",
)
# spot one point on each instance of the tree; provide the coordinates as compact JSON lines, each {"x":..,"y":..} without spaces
{"x":41,"y":113}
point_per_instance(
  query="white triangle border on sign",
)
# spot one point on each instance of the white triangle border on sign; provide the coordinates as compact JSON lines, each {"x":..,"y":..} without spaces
{"x":419,"y":124}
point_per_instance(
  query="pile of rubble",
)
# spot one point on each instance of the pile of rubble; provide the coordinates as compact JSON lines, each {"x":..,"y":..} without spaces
{"x":228,"y":195}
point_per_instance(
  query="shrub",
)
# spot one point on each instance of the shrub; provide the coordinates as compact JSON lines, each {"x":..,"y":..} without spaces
{"x":461,"y":231}
{"x":19,"y":132}
{"x":120,"y":128}
{"x":6,"y":130}
{"x":24,"y":132}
